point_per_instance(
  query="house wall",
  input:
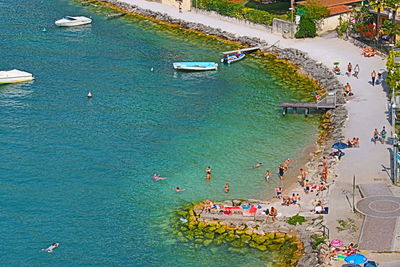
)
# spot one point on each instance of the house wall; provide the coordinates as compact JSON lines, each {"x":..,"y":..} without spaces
{"x":330,"y":23}
{"x":186,"y":4}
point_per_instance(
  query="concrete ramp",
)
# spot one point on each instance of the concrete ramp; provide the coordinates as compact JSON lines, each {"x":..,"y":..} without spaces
{"x":368,"y":190}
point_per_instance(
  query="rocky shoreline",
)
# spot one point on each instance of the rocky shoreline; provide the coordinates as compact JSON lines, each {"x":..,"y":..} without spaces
{"x":333,"y":120}
{"x":296,"y":240}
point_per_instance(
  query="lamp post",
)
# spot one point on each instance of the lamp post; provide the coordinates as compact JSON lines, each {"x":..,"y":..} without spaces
{"x":395,"y":148}
{"x":292,"y":10}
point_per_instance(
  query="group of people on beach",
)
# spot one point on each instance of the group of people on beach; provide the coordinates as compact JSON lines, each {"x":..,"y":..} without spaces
{"x":355,"y":142}
{"x":379,"y":135}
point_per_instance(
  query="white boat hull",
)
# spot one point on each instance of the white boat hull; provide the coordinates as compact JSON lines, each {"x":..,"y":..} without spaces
{"x":15,"y":76}
{"x":193,"y":66}
{"x":78,"y":21}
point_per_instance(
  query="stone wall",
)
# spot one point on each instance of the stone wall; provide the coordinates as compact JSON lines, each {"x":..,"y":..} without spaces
{"x":232,"y":19}
{"x":283,"y":27}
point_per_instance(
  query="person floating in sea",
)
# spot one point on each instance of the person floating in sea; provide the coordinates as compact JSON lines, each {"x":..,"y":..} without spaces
{"x":267,"y":175}
{"x":281,"y":171}
{"x":226,"y":189}
{"x":208,"y":173}
{"x":51,"y":248}
{"x":177,"y":189}
{"x":257,"y":165}
{"x":157,"y":177}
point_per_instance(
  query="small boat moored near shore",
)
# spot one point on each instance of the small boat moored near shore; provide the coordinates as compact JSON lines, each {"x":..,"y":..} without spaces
{"x":15,"y":76}
{"x":69,"y":21}
{"x":233,"y":58}
{"x":116,"y":15}
{"x":195,"y":66}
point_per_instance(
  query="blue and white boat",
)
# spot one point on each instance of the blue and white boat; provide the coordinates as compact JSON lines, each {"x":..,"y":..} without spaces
{"x":195,"y":66}
{"x":233,"y":58}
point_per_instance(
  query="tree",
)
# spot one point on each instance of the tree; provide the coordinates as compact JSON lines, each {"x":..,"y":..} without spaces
{"x":378,"y":5}
{"x":394,"y":5}
{"x":314,"y":10}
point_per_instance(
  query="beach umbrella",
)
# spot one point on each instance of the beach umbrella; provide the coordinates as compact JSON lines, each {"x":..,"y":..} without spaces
{"x":356,"y":259}
{"x":336,"y":243}
{"x":340,"y":145}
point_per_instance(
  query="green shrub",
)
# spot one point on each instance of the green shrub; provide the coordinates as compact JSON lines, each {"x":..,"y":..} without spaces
{"x":317,"y":241}
{"x":307,"y":28}
{"x":297,"y":219}
{"x":342,"y":27}
{"x":237,"y":10}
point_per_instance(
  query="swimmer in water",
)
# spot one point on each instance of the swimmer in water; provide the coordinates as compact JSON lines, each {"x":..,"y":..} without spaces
{"x":51,"y":248}
{"x":177,"y":189}
{"x":257,"y":165}
{"x":226,"y":189}
{"x":157,"y":177}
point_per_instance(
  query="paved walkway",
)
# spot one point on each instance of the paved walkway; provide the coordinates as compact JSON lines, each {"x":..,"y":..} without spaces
{"x":381,"y":210}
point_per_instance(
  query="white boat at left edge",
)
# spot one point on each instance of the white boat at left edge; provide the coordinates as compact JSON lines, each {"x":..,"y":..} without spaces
{"x":15,"y":76}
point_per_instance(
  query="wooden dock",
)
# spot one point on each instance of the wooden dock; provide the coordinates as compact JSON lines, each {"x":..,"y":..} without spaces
{"x":250,"y":49}
{"x":328,"y":102}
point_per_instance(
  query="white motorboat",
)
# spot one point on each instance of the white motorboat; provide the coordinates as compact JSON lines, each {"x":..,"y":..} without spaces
{"x":73,"y":21}
{"x":15,"y":76}
{"x":195,"y":66}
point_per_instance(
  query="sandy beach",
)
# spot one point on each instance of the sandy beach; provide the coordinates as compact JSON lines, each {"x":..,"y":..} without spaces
{"x":367,"y":110}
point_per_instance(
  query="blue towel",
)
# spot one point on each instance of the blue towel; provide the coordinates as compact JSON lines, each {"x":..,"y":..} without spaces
{"x":259,"y":207}
{"x":246,"y":207}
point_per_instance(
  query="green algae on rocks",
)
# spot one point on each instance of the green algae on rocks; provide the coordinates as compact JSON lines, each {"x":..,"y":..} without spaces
{"x":190,"y":229}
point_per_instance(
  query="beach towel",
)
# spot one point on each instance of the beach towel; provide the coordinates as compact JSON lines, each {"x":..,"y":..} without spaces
{"x":246,"y":207}
{"x":253,"y":209}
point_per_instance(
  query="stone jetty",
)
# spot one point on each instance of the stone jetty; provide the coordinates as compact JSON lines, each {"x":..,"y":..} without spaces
{"x":301,"y":241}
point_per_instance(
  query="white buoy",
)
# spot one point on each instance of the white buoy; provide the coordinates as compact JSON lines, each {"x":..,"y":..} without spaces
{"x":89,"y":95}
{"x":152,"y":69}
{"x":44,"y":30}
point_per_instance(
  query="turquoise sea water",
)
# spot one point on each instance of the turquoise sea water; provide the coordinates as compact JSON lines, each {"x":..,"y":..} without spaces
{"x":79,"y":171}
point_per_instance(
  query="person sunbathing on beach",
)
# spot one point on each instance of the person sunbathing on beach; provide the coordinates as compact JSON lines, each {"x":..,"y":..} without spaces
{"x":336,"y":70}
{"x":322,"y":187}
{"x":306,"y":186}
{"x":293,"y":199}
{"x":157,"y":177}
{"x":285,"y":201}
